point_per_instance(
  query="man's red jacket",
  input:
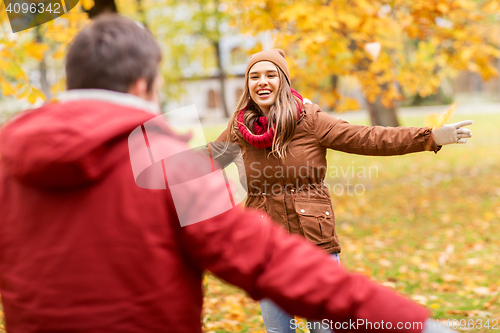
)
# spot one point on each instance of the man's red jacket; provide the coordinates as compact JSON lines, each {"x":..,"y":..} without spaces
{"x":84,"y":249}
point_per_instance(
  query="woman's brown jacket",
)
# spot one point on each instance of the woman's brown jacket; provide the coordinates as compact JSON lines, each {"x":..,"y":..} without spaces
{"x":292,"y":192}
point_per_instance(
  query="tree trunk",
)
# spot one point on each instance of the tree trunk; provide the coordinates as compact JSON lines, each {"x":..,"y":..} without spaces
{"x":142,"y":14}
{"x":222,"y":79}
{"x":43,"y":79}
{"x":44,"y":84}
{"x":382,"y":116}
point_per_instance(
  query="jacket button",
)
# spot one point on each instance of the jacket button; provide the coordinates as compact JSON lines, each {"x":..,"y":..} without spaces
{"x":302,"y":211}
{"x":327,"y":213}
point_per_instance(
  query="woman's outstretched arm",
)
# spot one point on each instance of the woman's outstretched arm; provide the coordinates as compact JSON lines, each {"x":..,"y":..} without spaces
{"x":338,"y":134}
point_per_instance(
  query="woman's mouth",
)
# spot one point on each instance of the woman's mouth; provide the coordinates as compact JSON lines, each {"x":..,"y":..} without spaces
{"x":264,"y":93}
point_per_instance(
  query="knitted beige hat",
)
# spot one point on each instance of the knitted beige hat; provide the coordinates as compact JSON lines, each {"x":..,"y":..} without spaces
{"x":275,"y":56}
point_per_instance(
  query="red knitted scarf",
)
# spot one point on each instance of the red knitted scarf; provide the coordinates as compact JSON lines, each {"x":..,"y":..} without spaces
{"x":262,"y":137}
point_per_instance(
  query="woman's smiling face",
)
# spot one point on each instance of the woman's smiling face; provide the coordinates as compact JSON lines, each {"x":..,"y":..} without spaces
{"x":263,"y":83}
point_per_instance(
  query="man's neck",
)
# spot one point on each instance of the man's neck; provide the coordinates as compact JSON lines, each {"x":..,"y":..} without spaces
{"x":115,"y":97}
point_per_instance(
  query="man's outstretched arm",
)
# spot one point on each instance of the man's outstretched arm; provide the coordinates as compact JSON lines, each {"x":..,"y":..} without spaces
{"x":248,"y":250}
{"x":251,"y":252}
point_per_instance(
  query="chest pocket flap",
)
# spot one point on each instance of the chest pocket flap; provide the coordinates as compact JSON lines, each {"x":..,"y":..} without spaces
{"x":316,"y":219}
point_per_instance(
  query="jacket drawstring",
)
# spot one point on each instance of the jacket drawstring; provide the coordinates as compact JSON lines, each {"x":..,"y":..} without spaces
{"x":263,"y":202}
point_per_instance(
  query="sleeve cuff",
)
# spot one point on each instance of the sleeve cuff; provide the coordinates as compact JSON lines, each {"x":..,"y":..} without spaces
{"x":429,"y":142}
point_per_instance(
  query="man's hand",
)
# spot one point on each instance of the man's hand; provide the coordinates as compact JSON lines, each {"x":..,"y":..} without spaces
{"x":452,"y":133}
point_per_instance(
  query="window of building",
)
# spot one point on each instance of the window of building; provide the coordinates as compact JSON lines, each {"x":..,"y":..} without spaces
{"x":212,"y":99}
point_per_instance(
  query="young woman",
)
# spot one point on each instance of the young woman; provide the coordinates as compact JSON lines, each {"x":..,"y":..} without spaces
{"x":284,"y":139}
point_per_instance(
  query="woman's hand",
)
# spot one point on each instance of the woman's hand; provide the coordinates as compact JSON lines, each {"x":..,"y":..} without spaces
{"x":452,"y":133}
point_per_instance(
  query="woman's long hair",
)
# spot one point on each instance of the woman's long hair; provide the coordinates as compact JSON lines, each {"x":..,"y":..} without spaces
{"x":283,"y":113}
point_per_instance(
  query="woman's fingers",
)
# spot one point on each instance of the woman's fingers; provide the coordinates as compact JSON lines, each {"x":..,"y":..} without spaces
{"x":462,"y":141}
{"x":464,"y":133}
{"x":463,"y":123}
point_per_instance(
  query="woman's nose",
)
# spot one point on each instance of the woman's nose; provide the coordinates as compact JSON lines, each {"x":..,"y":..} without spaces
{"x":262,"y":81}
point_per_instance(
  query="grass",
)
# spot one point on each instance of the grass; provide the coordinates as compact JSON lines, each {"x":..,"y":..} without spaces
{"x":425,"y":225}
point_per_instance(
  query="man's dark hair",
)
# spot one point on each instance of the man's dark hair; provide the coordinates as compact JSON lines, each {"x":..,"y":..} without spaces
{"x":112,"y":53}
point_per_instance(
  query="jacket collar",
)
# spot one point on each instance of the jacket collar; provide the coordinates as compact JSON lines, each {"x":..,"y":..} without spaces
{"x":114,"y":97}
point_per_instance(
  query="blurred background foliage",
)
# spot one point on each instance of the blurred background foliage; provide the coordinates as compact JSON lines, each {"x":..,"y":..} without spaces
{"x":399,"y":52}
{"x":422,"y":224}
{"x":426,"y":224}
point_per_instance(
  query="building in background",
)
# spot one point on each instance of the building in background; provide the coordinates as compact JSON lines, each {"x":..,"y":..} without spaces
{"x":205,"y":92}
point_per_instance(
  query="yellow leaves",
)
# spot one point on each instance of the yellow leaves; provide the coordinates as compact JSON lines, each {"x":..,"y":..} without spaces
{"x":87,"y":4}
{"x":127,"y":7}
{"x":491,"y":7}
{"x":4,"y":64}
{"x":469,"y":313}
{"x":352,"y":21}
{"x":36,"y":50}
{"x":443,"y":8}
{"x":413,"y":31}
{"x":21,"y":55}
{"x":445,"y":255}
{"x":415,"y":260}
{"x":296,"y":12}
{"x":347,"y":228}
{"x":489,"y":216}
{"x":228,"y":309}
{"x":389,"y":284}
{"x":3,"y":15}
{"x":31,"y":93}
{"x":370,"y":8}
{"x":34,"y":95}
{"x":435,"y":121}
{"x":482,"y":291}
{"x":6,"y":88}
{"x":313,"y":30}
{"x":419,"y":243}
{"x":491,"y":302}
{"x":385,"y":262}
{"x":420,"y":299}
{"x":450,"y":278}
{"x":60,"y":86}
{"x":348,"y":104}
{"x":465,"y":4}
{"x":320,"y":38}
{"x":434,"y":305}
{"x":60,"y":53}
{"x":390,"y":96}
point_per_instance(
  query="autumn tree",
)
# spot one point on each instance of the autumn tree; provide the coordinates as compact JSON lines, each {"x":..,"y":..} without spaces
{"x":191,"y":32}
{"x":27,"y":57}
{"x":395,"y":48}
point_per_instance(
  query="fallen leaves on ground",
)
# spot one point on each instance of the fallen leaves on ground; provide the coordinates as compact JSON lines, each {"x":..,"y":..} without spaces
{"x":425,"y":225}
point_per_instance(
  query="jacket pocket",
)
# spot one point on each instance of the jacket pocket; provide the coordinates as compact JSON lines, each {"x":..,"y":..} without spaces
{"x":316,"y":219}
